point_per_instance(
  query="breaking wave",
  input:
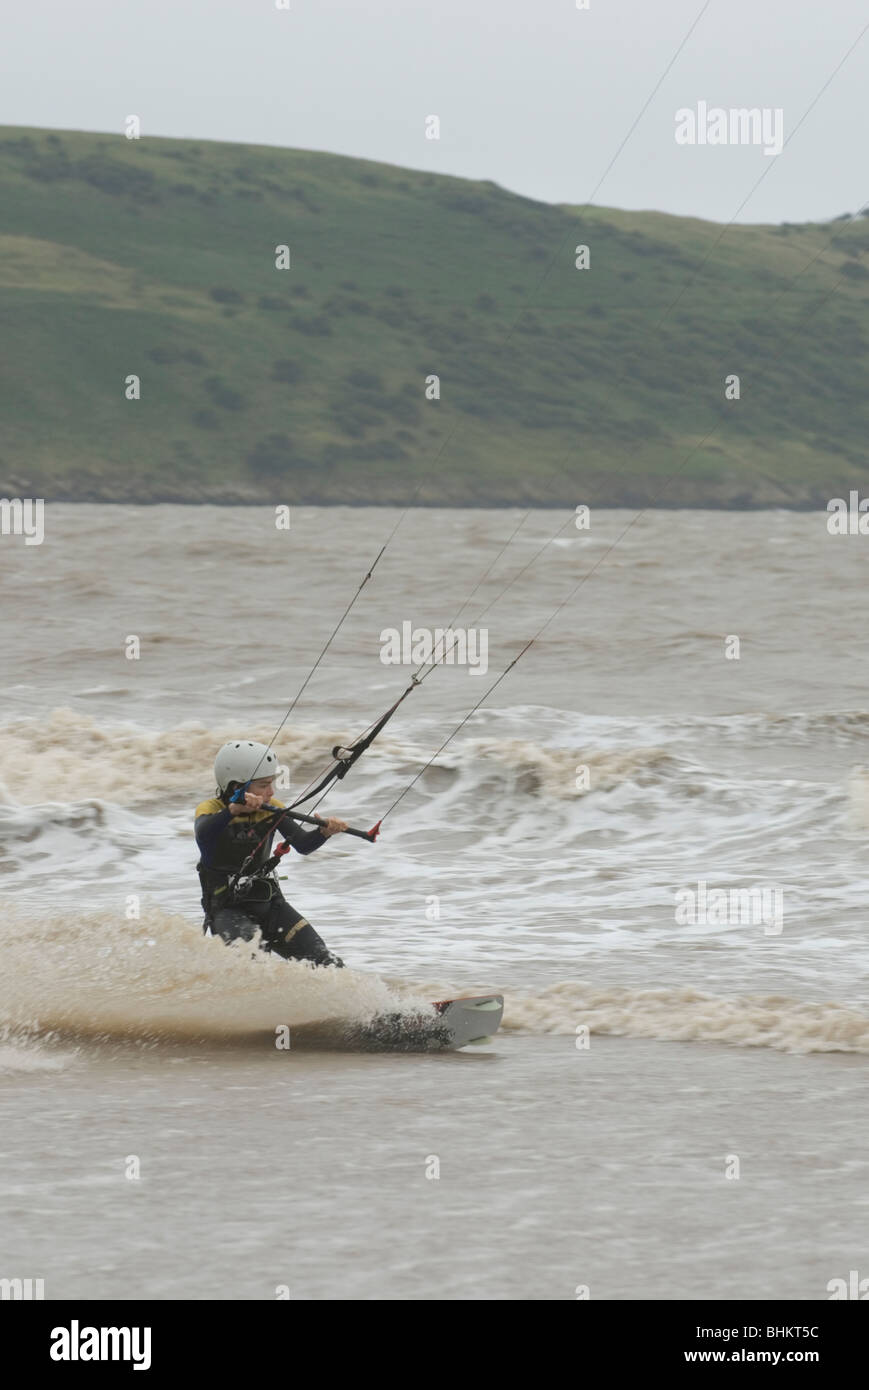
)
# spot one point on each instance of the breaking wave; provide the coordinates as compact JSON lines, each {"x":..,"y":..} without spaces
{"x":101,"y":979}
{"x":74,"y":759}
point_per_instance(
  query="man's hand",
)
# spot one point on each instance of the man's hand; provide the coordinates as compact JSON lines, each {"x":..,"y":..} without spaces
{"x":332,"y":826}
{"x":252,"y":802}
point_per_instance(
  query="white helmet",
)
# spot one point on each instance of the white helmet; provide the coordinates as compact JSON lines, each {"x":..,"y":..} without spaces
{"x":243,"y":762}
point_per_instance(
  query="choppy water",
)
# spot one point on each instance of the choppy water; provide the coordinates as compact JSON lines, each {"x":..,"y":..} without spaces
{"x":743,"y":774}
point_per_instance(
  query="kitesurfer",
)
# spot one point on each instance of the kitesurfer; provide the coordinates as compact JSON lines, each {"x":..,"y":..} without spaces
{"x":228,"y":832}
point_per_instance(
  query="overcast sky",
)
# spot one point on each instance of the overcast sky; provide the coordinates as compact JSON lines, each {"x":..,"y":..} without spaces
{"x":534,"y":94}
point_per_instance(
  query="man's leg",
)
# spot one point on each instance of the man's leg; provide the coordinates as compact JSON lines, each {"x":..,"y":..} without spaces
{"x":233,"y":924}
{"x":291,"y":935}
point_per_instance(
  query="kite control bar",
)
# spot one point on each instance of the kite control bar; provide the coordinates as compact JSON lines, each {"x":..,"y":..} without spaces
{"x":370,"y":835}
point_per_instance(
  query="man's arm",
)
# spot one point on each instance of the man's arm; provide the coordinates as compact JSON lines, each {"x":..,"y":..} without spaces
{"x":208,"y":826}
{"x":305,"y":841}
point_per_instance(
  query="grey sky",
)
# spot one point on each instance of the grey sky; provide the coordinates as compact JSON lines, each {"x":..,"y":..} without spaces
{"x":534,"y":94}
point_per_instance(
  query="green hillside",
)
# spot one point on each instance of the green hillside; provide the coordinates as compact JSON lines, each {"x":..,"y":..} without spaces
{"x":157,"y":258}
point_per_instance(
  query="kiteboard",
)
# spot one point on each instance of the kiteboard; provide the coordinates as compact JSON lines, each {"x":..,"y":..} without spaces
{"x":455,"y":1023}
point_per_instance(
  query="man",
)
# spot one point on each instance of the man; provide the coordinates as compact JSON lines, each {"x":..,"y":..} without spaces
{"x":228,"y":831}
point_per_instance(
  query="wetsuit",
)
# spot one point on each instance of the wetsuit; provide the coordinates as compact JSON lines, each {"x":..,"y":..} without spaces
{"x":225,"y":841}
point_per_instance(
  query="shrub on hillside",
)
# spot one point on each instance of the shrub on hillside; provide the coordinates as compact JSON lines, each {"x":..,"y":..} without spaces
{"x":361,"y":380}
{"x":110,"y":176}
{"x":287,"y":370}
{"x":466,"y":202}
{"x":224,"y":395}
{"x":274,"y":456}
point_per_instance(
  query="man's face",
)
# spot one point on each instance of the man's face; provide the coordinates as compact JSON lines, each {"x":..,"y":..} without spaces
{"x":263,"y":786}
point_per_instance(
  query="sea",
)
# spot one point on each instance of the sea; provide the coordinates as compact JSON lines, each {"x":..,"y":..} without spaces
{"x":649,"y":834}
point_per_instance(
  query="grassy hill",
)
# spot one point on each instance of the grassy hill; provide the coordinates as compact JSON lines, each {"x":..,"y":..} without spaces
{"x":157,"y":258}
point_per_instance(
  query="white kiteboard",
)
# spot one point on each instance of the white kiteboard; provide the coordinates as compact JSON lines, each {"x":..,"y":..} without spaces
{"x":455,"y":1023}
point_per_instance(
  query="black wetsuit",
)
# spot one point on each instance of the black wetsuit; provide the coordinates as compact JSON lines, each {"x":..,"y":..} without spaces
{"x":225,"y":841}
